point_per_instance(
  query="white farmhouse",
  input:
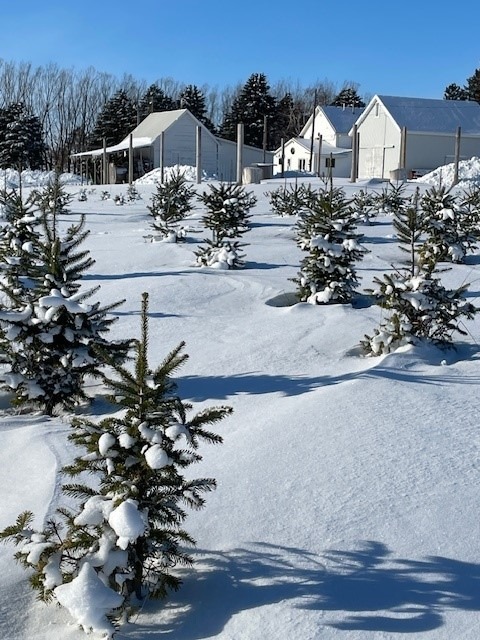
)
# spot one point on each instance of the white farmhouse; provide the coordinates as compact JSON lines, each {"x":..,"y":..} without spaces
{"x":405,"y":137}
{"x":323,"y":145}
{"x":169,"y":138}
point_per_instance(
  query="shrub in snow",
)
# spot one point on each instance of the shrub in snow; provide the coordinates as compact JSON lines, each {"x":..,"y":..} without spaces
{"x":170,"y":204}
{"x":227,"y":216}
{"x":226,"y":255}
{"x":451,"y":228}
{"x":49,"y":334}
{"x":124,"y":540}
{"x":419,"y":306}
{"x":326,"y":231}
{"x":82,"y":195}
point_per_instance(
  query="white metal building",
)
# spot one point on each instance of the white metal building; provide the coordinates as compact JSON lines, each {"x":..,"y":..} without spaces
{"x":430,"y":129}
{"x":333,"y":156}
{"x":169,"y":138}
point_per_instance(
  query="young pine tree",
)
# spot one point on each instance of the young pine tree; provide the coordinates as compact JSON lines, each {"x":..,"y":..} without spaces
{"x":49,"y":334}
{"x":169,"y":205}
{"x":129,"y":530}
{"x":227,"y":216}
{"x":451,"y":229}
{"x":419,"y":306}
{"x":327,"y":232}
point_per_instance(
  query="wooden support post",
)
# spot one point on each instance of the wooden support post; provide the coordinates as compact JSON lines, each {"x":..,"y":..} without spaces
{"x":198,"y":154}
{"x":130,"y":159}
{"x":403,"y":153}
{"x":162,"y":156}
{"x":282,"y":157}
{"x":319,"y":154}
{"x":354,"y":168}
{"x":105,"y":163}
{"x":265,"y":135}
{"x":310,"y":162}
{"x":458,"y":136}
{"x":240,"y":134}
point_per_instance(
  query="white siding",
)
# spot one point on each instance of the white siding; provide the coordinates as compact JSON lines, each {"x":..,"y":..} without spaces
{"x":379,"y":151}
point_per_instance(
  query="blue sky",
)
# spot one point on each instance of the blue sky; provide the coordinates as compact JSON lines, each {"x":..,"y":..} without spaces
{"x":414,"y":49}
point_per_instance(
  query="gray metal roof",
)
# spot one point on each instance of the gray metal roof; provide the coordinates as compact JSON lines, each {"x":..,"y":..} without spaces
{"x":437,"y":116}
{"x":342,"y":119}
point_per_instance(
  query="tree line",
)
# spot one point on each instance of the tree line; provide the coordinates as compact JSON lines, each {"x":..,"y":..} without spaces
{"x":47,"y":112}
{"x":469,"y":91}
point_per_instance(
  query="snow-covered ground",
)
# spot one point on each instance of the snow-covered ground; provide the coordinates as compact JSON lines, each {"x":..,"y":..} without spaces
{"x":348,"y":486}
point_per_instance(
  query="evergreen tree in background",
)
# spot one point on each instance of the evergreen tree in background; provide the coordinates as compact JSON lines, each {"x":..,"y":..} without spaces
{"x":127,"y":533}
{"x":155,"y":100}
{"x":193,"y":99}
{"x":250,"y":107}
{"x":473,"y":86}
{"x":455,"y":92}
{"x":348,"y":97}
{"x":21,"y":138}
{"x":116,"y":120}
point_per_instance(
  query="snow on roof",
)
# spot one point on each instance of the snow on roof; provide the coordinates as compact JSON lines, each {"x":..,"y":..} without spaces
{"x":435,"y":116}
{"x":137,"y":143}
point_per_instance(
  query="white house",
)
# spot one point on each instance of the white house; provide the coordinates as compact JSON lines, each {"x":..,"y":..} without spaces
{"x":169,"y":138}
{"x":330,"y":152}
{"x":411,"y":136}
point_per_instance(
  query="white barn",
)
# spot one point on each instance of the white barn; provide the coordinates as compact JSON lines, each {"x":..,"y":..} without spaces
{"x":429,"y":135}
{"x":333,"y":156}
{"x":171,"y":136}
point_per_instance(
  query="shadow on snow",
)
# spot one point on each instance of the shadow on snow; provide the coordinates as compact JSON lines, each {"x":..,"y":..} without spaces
{"x":367,"y":589}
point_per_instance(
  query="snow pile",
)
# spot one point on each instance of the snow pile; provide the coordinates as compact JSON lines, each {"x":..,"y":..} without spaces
{"x":468,"y":172}
{"x":155,"y":175}
{"x":34,"y":178}
{"x":88,"y":600}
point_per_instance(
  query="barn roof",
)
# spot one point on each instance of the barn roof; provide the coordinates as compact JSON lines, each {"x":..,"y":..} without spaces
{"x":342,"y":119}
{"x":429,"y":115}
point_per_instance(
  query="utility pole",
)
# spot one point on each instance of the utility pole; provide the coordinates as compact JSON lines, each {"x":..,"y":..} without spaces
{"x":313,"y":131}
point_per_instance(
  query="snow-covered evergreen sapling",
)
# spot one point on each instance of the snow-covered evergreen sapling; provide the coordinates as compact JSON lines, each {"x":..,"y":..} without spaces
{"x":327,"y":232}
{"x":290,"y":200}
{"x":49,"y":334}
{"x":53,"y":198}
{"x":419,"y":306}
{"x":451,"y":229}
{"x":227,"y":216}
{"x":128,"y":531}
{"x":170,"y":204}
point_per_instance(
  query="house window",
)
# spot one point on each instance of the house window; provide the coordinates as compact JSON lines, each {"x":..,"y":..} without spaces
{"x":377,"y":110}
{"x":330,"y":163}
{"x":301,"y":164}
